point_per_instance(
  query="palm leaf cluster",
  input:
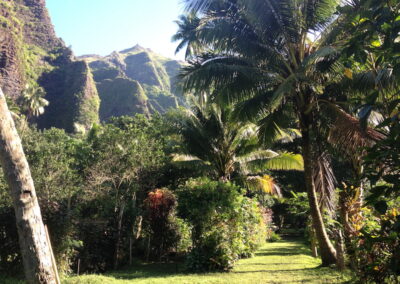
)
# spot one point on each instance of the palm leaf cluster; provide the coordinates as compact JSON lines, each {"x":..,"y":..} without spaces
{"x":33,"y":101}
{"x":228,"y":149}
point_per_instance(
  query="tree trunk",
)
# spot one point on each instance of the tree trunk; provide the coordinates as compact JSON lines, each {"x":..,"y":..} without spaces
{"x":32,"y":235}
{"x":313,"y":240}
{"x":117,"y":252}
{"x":340,"y":251}
{"x":327,"y":251}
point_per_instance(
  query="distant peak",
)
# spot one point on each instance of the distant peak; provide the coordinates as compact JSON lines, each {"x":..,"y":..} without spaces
{"x":137,"y":47}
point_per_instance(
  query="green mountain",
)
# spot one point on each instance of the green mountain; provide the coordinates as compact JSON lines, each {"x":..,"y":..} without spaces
{"x":81,"y":90}
{"x":30,"y":53}
{"x":135,"y":80}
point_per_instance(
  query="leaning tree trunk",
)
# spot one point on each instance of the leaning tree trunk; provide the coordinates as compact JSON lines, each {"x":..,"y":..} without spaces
{"x":327,"y":251}
{"x":32,"y":235}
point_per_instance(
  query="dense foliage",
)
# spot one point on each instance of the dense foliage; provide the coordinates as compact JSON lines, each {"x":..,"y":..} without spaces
{"x":101,"y":200}
{"x":225,"y":225}
{"x":294,"y":130}
{"x":329,"y":69}
{"x":91,"y":189}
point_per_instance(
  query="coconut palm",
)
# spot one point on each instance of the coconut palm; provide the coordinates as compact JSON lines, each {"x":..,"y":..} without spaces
{"x":229,"y":149}
{"x":33,"y":101}
{"x":271,"y":60}
{"x":187,"y":34}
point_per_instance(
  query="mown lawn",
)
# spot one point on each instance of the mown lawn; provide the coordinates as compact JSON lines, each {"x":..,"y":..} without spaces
{"x":281,"y":262}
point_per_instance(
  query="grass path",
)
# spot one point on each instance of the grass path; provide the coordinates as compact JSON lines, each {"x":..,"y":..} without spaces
{"x":280,"y":262}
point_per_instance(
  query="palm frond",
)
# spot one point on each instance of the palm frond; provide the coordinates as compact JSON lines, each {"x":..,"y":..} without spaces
{"x":319,"y":55}
{"x":347,"y":134}
{"x":257,"y":155}
{"x":325,"y":181}
{"x":253,"y":108}
{"x":187,"y":34}
{"x":194,"y":165}
{"x":319,"y":13}
{"x":236,"y":76}
{"x":198,"y":6}
{"x":285,"y":88}
{"x":265,"y":184}
{"x":281,"y":162}
{"x":276,"y":126}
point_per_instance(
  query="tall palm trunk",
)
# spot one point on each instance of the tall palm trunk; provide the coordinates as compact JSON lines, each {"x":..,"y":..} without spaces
{"x":327,"y":251}
{"x":35,"y":249}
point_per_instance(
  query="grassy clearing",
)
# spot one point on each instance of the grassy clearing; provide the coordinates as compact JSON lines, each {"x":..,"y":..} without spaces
{"x":280,"y":262}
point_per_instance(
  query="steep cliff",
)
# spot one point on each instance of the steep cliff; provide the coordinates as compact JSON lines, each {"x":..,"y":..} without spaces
{"x":136,"y":75}
{"x":30,"y":53}
{"x":81,"y":91}
{"x":72,"y":93}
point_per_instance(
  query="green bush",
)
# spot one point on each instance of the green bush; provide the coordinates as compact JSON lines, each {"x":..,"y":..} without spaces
{"x":213,"y":253}
{"x":273,"y":237}
{"x":225,"y":225}
{"x":292,"y":212}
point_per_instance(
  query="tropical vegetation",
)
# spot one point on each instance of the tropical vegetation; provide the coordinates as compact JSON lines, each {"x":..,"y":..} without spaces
{"x":290,"y":130}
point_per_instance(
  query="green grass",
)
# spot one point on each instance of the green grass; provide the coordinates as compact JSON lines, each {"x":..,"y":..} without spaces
{"x":280,"y":262}
{"x":8,"y":280}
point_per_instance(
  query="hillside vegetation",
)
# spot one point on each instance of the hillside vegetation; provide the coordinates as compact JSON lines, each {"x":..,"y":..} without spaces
{"x":135,"y":80}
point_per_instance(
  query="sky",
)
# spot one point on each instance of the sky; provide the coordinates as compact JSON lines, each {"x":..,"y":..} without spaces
{"x":103,"y":26}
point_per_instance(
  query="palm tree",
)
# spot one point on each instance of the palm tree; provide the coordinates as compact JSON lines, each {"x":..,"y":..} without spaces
{"x":372,"y":87}
{"x":230,"y":149}
{"x":33,"y":101}
{"x":187,"y":34}
{"x":269,"y":58}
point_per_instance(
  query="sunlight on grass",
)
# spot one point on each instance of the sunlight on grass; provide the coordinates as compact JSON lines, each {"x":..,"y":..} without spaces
{"x":281,"y":262}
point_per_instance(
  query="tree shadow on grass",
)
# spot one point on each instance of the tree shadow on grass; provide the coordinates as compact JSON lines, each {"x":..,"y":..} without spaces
{"x":166,"y":270}
{"x":150,"y":270}
{"x":275,"y":270}
{"x":296,"y":249}
{"x":267,"y":263}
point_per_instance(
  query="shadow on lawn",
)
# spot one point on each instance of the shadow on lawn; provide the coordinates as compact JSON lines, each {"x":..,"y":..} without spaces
{"x":150,"y":270}
{"x":292,"y":250}
{"x":275,"y":270}
{"x":162,"y":270}
{"x":267,"y":263}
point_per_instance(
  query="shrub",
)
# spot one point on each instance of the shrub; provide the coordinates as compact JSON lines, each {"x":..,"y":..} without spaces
{"x":225,"y":224}
{"x":213,"y":253}
{"x":273,"y":237}
{"x":377,"y":246}
{"x":292,"y":212}
{"x":160,"y":207}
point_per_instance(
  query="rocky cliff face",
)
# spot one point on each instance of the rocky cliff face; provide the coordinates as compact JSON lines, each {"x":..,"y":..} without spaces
{"x":30,"y":53}
{"x":81,"y":91}
{"x":72,"y":93}
{"x":135,"y":80}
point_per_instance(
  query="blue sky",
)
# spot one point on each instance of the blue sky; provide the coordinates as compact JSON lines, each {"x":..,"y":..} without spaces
{"x":102,"y":26}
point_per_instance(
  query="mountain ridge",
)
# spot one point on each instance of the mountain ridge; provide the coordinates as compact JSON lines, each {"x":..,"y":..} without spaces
{"x":148,"y":79}
{"x":81,"y":90}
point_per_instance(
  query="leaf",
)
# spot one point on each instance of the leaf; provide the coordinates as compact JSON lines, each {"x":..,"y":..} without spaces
{"x":348,"y":73}
{"x":376,"y":43}
{"x":263,"y":183}
{"x":283,"y":162}
{"x":325,"y":181}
